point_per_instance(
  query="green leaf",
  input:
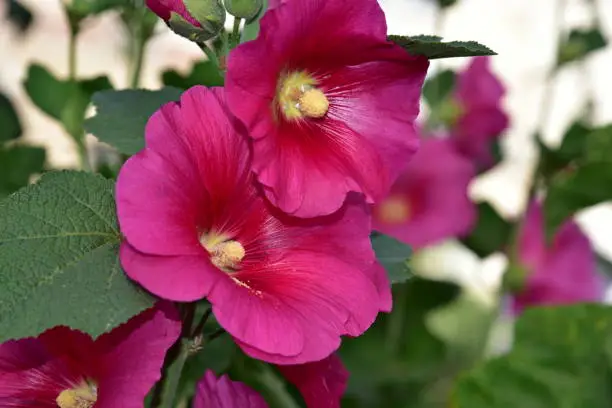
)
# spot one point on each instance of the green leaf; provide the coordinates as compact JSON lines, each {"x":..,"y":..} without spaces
{"x":463,"y":325}
{"x":19,"y":15}
{"x":11,"y":125}
{"x":58,"y":258}
{"x":490,"y":234}
{"x":17,"y":165}
{"x":598,"y":145}
{"x":576,"y":189}
{"x":604,"y":265}
{"x":251,"y":29}
{"x":47,"y":92}
{"x":561,"y":358}
{"x":437,"y":89}
{"x":63,"y":100}
{"x":121,"y":116}
{"x":432,"y":47}
{"x":572,"y":148}
{"x":446,"y":3}
{"x":202,"y":73}
{"x":579,"y":44}
{"x":393,"y":256}
{"x":399,"y":348}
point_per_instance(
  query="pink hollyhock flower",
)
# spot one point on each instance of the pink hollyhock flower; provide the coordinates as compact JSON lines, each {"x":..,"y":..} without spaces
{"x":561,"y":273}
{"x":67,"y":369}
{"x":328,"y":101}
{"x":480,"y":117}
{"x":225,"y":393}
{"x":321,"y":384}
{"x":196,"y":226}
{"x":429,"y":201}
{"x":165,"y":8}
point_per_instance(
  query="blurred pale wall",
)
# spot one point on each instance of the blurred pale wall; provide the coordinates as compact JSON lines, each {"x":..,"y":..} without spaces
{"x":521,"y":31}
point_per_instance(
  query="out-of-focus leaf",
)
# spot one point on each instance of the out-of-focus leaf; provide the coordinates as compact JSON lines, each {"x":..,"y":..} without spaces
{"x":491,"y":233}
{"x":63,"y":100}
{"x":19,"y":15}
{"x":17,"y":165}
{"x":464,"y":326}
{"x":579,"y":44}
{"x":576,"y":189}
{"x":437,"y":89}
{"x":572,"y":149}
{"x":446,"y":3}
{"x":202,"y":73}
{"x":393,"y":256}
{"x":432,"y":47}
{"x":604,"y":266}
{"x":392,"y":362}
{"x":10,"y":125}
{"x":121,"y":116}
{"x":561,"y":358}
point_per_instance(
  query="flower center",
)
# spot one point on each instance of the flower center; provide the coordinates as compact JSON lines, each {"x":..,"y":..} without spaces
{"x":298,"y":97}
{"x":224,"y":253}
{"x":82,"y":396}
{"x":394,"y":210}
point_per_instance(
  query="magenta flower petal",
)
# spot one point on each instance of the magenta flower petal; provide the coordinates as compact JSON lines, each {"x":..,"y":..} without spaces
{"x":479,"y":94}
{"x":164,"y":9}
{"x":285,"y":288}
{"x":356,"y":133}
{"x":379,"y":277}
{"x":154,"y":211}
{"x":321,"y":383}
{"x":191,"y":279}
{"x":34,"y":371}
{"x":132,"y":355}
{"x":563,"y":273}
{"x":117,"y":370}
{"x":429,"y":202}
{"x":222,"y":392}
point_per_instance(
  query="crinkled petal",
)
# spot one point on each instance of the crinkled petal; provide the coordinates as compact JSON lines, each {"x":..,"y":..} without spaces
{"x":321,"y":383}
{"x":178,"y":278}
{"x":371,"y":85}
{"x":34,"y":371}
{"x":313,"y":286}
{"x":225,"y":393}
{"x":133,"y":355}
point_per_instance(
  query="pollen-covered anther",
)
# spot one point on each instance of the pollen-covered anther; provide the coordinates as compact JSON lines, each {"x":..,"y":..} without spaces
{"x":81,"y":397}
{"x":313,"y":103}
{"x":227,"y":255}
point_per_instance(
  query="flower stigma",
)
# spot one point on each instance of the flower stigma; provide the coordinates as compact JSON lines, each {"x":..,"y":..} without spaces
{"x":298,"y":96}
{"x":225,"y":254}
{"x":83,"y":396}
{"x":394,"y":210}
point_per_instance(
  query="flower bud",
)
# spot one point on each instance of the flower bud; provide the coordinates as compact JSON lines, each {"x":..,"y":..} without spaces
{"x":197,"y":20}
{"x":247,"y":9}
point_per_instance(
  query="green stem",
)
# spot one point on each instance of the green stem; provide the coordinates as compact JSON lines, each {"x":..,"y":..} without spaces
{"x":173,"y":377}
{"x":77,"y":135}
{"x":137,"y":52}
{"x":395,"y":321}
{"x":235,"y":38}
{"x":276,"y":387}
{"x":210,"y":53}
